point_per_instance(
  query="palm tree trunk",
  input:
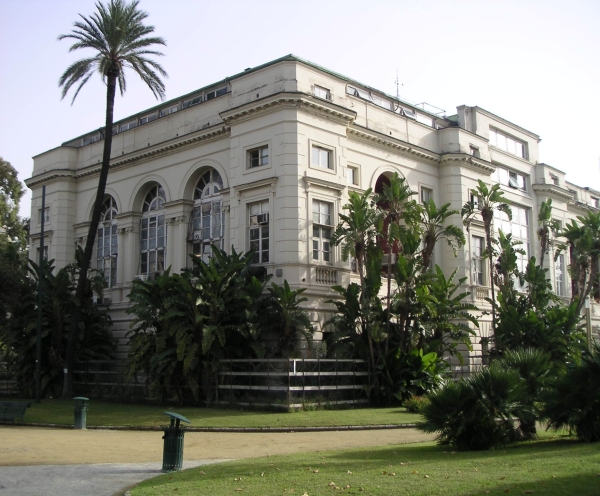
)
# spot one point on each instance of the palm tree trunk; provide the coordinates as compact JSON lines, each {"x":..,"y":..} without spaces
{"x":389,"y":290}
{"x":488,"y":242}
{"x":91,"y":238}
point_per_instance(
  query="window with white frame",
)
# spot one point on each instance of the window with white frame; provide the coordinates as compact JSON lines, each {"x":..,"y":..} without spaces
{"x":322,"y":230}
{"x":477,"y":249}
{"x":148,"y":118}
{"x":37,"y":254}
{"x":509,"y":178}
{"x":559,"y":275}
{"x":127,"y":125}
{"x":208,"y":217}
{"x":474,"y":151}
{"x":258,"y":157}
{"x":258,"y":231}
{"x":426,"y":195}
{"x":153,"y":232}
{"x":508,"y":143}
{"x":46,"y":215}
{"x":322,"y":157}
{"x":595,"y":202}
{"x":519,"y":228}
{"x":171,"y":110}
{"x":107,"y":246}
{"x":321,"y":92}
{"x":352,"y":175}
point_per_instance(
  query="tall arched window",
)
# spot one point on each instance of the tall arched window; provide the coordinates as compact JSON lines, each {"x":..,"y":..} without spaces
{"x":154,"y":232}
{"x":106,"y":243}
{"x":207,"y":226}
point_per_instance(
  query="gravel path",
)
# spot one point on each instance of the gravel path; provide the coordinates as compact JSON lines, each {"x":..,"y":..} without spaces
{"x":43,"y":461}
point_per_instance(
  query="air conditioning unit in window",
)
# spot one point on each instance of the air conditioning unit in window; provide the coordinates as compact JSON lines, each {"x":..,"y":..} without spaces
{"x":141,"y":277}
{"x":256,"y":220}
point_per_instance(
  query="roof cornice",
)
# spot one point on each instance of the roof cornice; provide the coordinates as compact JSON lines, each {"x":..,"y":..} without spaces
{"x":47,"y":177}
{"x":468,"y":161}
{"x":553,"y":191}
{"x":293,"y":100}
{"x":385,"y":141}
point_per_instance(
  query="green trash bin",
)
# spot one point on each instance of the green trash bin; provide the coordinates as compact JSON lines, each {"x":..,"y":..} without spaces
{"x":81,"y":404}
{"x":173,"y":445}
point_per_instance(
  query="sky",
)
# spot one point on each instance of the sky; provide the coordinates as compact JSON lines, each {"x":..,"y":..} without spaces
{"x":534,"y":63}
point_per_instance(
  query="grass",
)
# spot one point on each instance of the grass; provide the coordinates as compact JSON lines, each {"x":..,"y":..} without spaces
{"x":549,"y":467}
{"x":115,"y":414}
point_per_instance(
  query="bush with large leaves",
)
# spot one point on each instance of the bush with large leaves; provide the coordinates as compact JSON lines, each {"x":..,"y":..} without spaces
{"x":573,"y":400}
{"x":480,"y":412}
{"x":19,"y":332}
{"x":184,"y":324}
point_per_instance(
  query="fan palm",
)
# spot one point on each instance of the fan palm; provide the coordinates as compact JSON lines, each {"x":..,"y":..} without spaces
{"x":485,"y":201}
{"x":118,"y":35}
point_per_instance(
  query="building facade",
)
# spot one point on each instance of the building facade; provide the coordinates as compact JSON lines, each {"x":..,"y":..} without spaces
{"x":264,"y":160}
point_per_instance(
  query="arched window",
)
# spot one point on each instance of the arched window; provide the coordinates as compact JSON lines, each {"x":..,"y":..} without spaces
{"x":154,"y":232}
{"x":207,"y":223}
{"x":106,"y":243}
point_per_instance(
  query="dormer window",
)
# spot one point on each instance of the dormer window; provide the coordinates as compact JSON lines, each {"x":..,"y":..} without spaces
{"x":148,"y":118}
{"x":193,"y":101}
{"x":321,"y":92}
{"x":168,"y":111}
{"x":507,"y":143}
{"x":127,"y":126}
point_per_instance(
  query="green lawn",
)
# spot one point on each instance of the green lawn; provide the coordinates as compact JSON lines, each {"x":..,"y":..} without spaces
{"x":114,"y":414}
{"x":550,"y":467}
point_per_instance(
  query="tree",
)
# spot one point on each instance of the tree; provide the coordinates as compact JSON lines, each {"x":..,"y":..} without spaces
{"x":11,"y":192}
{"x":583,"y":243}
{"x":356,"y":231}
{"x":433,"y":221}
{"x":394,"y":202}
{"x":485,"y":201}
{"x":117,"y":34}
{"x":546,"y":225}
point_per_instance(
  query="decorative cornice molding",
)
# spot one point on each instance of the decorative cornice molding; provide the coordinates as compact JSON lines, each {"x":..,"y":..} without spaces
{"x":313,"y":181}
{"x":385,"y":141}
{"x":46,"y":177}
{"x":581,"y":207}
{"x":159,"y":150}
{"x":269,"y":181}
{"x":468,"y":161}
{"x":553,"y":191}
{"x":299,"y":101}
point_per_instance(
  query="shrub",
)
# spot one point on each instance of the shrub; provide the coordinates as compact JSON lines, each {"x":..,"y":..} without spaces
{"x":477,"y":413}
{"x":573,"y":401}
{"x":534,"y":367}
{"x":416,"y":403}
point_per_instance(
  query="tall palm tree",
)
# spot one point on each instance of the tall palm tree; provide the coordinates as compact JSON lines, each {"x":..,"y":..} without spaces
{"x":120,"y":39}
{"x":394,"y":204}
{"x":546,"y":225}
{"x":356,"y":232}
{"x":433,"y":222}
{"x":484,"y":201}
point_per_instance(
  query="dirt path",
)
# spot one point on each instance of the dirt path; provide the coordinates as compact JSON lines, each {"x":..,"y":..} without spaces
{"x":41,"y":446}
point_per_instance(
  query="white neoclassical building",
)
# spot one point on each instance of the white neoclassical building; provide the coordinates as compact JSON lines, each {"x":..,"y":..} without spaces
{"x":265,"y":159}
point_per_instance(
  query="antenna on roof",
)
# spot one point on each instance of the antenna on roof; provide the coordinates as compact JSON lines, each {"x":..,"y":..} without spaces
{"x":397,"y":86}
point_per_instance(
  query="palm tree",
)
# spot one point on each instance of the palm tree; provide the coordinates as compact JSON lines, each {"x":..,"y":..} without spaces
{"x":117,"y":34}
{"x":356,"y":232}
{"x":545,"y":226}
{"x":432,"y":221}
{"x":394,"y":203}
{"x":484,"y":202}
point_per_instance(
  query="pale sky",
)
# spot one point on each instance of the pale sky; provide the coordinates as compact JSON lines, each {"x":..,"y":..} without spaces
{"x":534,"y":63}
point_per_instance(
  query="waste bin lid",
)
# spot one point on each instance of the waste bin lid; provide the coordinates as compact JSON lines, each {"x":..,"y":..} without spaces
{"x":177,"y":416}
{"x":81,"y":398}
